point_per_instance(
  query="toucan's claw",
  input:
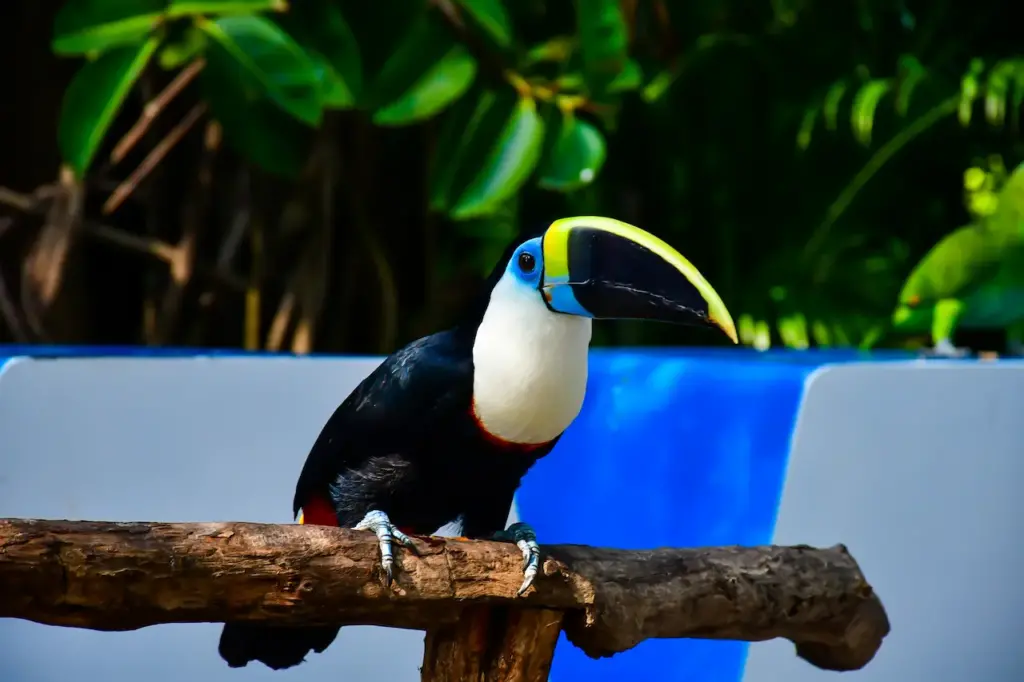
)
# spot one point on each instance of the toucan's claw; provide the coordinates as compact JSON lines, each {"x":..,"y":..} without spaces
{"x":526,"y":539}
{"x":387,"y":533}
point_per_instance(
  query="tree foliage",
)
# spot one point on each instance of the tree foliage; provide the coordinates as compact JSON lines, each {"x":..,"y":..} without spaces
{"x":377,"y":156}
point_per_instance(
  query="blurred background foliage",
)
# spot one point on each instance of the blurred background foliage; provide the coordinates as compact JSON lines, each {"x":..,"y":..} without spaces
{"x":337,"y":175}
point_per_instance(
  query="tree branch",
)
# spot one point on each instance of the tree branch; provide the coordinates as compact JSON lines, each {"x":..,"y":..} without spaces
{"x":154,"y":107}
{"x":155,"y":156}
{"x":123,"y":576}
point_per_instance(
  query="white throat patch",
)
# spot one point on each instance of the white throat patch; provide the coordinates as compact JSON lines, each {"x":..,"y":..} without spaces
{"x":529,"y":366}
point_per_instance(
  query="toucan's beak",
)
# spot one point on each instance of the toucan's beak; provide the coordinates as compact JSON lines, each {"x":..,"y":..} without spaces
{"x":604,"y":268}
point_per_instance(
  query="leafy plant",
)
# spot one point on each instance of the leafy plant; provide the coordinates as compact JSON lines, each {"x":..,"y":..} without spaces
{"x":999,"y":89}
{"x":265,"y":58}
{"x":358,"y":162}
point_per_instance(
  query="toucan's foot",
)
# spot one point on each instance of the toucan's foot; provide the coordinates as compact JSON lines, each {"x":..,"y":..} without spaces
{"x":944,"y":348}
{"x":525,"y":538}
{"x":387,"y":533}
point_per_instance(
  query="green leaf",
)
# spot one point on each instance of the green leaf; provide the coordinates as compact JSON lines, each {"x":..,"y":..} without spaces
{"x":327,"y":37}
{"x":445,"y":82}
{"x":513,"y":156}
{"x":912,"y":74}
{"x":254,"y":126}
{"x":557,"y":49}
{"x":1005,"y":77}
{"x":176,"y":53}
{"x":183,"y":8}
{"x":698,"y":51}
{"x":458,"y":130}
{"x":576,"y":157}
{"x":658,"y":85}
{"x":996,"y":90}
{"x":84,"y":26}
{"x":630,"y":78}
{"x":426,"y":43}
{"x":94,"y":97}
{"x":793,"y":331}
{"x":603,"y":42}
{"x":974,"y":179}
{"x":862,"y":117}
{"x":762,"y":336}
{"x":830,"y":106}
{"x":271,"y":60}
{"x":803,"y":136}
{"x":570,"y":82}
{"x":970,"y":89}
{"x":1017,"y":95}
{"x":491,"y":15}
{"x":842,"y":338}
{"x":821,"y":333}
{"x":333,"y":90}
{"x":871,"y":336}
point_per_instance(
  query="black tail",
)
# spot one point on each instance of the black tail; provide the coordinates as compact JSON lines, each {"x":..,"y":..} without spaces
{"x":276,"y":647}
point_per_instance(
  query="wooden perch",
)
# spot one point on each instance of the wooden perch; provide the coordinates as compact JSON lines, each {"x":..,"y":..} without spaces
{"x":122,"y":576}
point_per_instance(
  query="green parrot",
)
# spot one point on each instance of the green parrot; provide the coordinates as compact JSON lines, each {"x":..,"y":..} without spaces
{"x":973,"y":278}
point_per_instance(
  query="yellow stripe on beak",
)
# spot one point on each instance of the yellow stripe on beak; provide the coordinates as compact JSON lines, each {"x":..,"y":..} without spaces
{"x":556,"y":261}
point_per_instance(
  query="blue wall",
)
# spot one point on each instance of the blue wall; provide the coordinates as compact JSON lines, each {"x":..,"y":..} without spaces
{"x":683,"y":449}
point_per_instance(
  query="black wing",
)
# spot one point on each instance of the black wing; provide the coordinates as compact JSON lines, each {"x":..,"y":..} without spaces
{"x":392,"y":409}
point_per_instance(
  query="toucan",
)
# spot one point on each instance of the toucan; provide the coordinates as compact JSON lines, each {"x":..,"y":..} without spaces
{"x":442,"y":432}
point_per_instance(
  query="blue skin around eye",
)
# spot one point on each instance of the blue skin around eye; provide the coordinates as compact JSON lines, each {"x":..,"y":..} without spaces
{"x":563,"y":299}
{"x":532,"y":278}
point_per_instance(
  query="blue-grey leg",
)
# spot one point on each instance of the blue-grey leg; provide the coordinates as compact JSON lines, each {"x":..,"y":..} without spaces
{"x":525,"y":538}
{"x":944,"y":348}
{"x":387,"y":533}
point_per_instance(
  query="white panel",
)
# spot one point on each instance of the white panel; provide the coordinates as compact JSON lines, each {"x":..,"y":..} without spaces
{"x":189,"y":439}
{"x":918,"y":469}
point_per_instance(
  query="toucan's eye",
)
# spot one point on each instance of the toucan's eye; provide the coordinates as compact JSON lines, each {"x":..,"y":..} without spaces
{"x":527,"y":262}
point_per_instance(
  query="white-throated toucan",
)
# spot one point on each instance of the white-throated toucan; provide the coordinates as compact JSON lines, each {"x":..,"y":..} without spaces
{"x":446,"y":427}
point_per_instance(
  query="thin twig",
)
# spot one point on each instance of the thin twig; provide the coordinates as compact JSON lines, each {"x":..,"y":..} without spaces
{"x":154,"y":157}
{"x":153,"y":109}
{"x":149,"y":245}
{"x":233,"y":241}
{"x":42,"y":272}
{"x":242,"y":223}
{"x":156,"y":217}
{"x":317,"y":274}
{"x":251,"y":332}
{"x":193,"y":214}
{"x":10,"y":313}
{"x":282,"y":319}
{"x":23,"y":202}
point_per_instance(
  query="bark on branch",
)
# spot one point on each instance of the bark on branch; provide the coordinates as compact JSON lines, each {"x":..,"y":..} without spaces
{"x":123,"y":576}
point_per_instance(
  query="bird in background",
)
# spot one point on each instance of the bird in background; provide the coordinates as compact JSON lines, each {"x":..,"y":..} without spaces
{"x":443,"y":431}
{"x":973,"y":278}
